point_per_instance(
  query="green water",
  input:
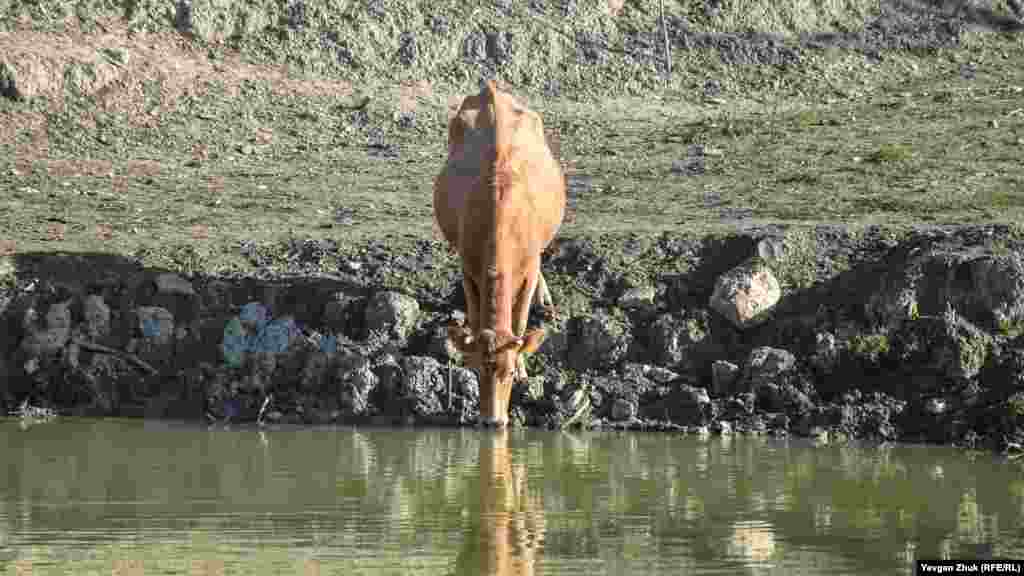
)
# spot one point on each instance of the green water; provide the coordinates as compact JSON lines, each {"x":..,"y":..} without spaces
{"x":133,"y":497}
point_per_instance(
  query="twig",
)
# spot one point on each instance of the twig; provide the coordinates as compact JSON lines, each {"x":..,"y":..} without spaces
{"x":263,"y":408}
{"x":131,"y":358}
{"x":664,"y":36}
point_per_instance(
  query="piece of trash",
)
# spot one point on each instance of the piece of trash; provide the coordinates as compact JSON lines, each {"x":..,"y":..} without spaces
{"x":251,"y":332}
{"x":234,"y":344}
{"x":275,"y":336}
{"x":150,"y":327}
{"x":329,"y":343}
{"x":253,"y":313}
{"x":232,"y":407}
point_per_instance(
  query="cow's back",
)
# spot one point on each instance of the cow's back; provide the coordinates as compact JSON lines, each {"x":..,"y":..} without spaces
{"x":471,"y":137}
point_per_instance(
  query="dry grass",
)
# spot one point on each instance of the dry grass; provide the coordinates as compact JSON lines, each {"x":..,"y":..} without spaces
{"x":179,"y":153}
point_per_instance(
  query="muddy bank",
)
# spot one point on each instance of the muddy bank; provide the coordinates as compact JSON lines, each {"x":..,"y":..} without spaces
{"x":903,"y":335}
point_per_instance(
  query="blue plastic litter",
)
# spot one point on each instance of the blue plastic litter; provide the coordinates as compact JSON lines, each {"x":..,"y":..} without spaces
{"x":251,"y":332}
{"x":232,"y":407}
{"x":275,"y":336}
{"x":329,"y":343}
{"x":150,"y":327}
{"x":234,"y":345}
{"x":254,"y":313}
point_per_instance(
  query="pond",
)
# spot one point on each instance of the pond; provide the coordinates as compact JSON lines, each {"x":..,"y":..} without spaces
{"x":135,"y":497}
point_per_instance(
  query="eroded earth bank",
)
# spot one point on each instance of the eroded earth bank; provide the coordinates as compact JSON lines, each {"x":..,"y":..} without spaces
{"x":914,"y":336}
{"x":807,"y":226}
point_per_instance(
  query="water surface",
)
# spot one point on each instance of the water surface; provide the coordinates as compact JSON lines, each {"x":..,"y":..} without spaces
{"x":134,"y":497}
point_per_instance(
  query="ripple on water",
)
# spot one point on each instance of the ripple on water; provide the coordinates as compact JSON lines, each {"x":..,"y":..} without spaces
{"x":93,"y":495}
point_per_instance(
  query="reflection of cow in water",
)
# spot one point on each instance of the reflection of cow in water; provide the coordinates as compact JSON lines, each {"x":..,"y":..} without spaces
{"x":499,"y":200}
{"x":510,"y":533}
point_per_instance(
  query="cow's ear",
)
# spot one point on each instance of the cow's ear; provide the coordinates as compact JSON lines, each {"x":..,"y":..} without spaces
{"x":461,"y":338}
{"x":532,"y":341}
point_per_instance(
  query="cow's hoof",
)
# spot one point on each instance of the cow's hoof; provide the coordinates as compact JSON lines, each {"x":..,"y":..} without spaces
{"x":492,"y":422}
{"x":520,"y":374}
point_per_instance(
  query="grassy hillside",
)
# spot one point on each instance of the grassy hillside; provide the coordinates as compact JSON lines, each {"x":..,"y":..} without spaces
{"x":212,"y":134}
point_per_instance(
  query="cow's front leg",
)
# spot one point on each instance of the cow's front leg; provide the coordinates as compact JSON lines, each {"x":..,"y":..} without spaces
{"x":542,"y":296}
{"x":472,"y":315}
{"x":521,"y":314}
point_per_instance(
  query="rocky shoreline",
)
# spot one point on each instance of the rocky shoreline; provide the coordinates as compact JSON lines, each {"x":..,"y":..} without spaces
{"x":910,"y":335}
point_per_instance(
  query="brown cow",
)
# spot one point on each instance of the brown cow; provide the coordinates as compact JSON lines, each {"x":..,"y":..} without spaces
{"x":499,"y":200}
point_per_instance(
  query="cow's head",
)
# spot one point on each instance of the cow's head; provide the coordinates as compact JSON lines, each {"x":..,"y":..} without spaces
{"x":494,"y":355}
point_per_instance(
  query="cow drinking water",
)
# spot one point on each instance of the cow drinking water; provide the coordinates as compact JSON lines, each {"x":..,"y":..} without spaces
{"x":499,"y":200}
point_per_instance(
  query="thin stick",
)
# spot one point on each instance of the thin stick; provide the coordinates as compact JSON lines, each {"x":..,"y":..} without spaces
{"x":131,"y":358}
{"x":664,"y":36}
{"x":263,"y":408}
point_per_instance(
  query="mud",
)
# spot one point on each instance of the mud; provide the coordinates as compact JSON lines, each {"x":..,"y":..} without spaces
{"x":908,"y":336}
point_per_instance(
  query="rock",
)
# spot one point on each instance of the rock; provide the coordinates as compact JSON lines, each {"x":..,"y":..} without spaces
{"x":532,"y":389}
{"x":739,"y":406}
{"x":623,"y":410}
{"x":768,"y":365}
{"x":9,"y":85}
{"x":556,"y":345}
{"x":1007,"y":372}
{"x":356,"y":384}
{"x":577,"y":405}
{"x":262,"y":366}
{"x":343,"y":314}
{"x":689,"y":405}
{"x":407,"y":48}
{"x":966,"y":349}
{"x":826,"y":353}
{"x":465,"y":382}
{"x":952,"y":270}
{"x":998,"y":288}
{"x":392,"y":313}
{"x":601,"y":342}
{"x":778,"y":422}
{"x":96,"y":317}
{"x":950,"y":346}
{"x":424,"y":385}
{"x":712,"y":86}
{"x":795,"y":401}
{"x":655,"y":374}
{"x":215,"y":295}
{"x":47,"y":335}
{"x":641,"y":298}
{"x":315,"y":372}
{"x":771,"y":249}
{"x":439,"y":24}
{"x":389,"y":374}
{"x":935,"y":406}
{"x":672,"y":340}
{"x":183,"y":19}
{"x":693,"y":164}
{"x":769,"y":396}
{"x":168,"y":283}
{"x":723,"y":377}
{"x":745,"y":294}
